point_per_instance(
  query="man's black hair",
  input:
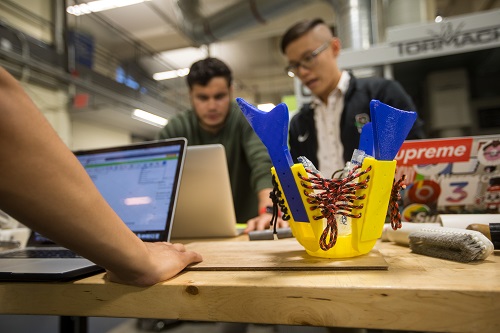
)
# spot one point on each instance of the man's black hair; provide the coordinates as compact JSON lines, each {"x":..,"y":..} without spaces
{"x":298,"y":30}
{"x":202,"y":71}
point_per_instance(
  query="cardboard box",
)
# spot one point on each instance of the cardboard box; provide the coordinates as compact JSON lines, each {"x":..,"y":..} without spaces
{"x":451,"y":175}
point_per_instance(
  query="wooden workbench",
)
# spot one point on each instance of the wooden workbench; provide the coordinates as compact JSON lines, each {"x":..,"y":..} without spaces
{"x":416,"y":292}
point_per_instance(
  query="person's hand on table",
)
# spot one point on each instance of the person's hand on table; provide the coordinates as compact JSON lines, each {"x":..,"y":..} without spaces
{"x":262,"y":222}
{"x":165,"y":261}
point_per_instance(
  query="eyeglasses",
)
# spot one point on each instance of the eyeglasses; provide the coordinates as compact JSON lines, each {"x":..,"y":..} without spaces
{"x":307,"y":62}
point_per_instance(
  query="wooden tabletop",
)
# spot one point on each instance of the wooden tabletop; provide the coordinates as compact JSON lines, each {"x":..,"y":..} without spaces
{"x":416,"y":292}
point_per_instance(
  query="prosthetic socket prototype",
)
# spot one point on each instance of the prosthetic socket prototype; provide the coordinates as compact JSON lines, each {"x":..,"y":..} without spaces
{"x":336,"y":217}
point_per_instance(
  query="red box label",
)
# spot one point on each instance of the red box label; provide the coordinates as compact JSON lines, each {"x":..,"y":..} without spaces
{"x":433,"y":152}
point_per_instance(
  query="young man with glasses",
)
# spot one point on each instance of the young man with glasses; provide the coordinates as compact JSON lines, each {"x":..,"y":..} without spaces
{"x":327,"y":130}
{"x":215,"y":118}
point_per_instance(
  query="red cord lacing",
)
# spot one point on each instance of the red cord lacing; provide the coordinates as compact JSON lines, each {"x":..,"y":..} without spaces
{"x":337,"y":198}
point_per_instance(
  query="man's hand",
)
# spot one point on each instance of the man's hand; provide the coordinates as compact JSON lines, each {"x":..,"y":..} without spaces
{"x":165,"y":261}
{"x":261,"y":222}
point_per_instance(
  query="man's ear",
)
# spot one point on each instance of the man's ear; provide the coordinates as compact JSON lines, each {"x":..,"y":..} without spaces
{"x":336,"y":46}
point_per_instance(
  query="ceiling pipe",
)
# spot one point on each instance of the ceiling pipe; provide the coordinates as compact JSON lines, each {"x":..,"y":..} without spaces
{"x":354,"y":23}
{"x":231,"y":20}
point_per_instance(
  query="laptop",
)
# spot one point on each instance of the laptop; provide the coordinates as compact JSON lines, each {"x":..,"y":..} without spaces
{"x":139,"y":181}
{"x":205,"y":207}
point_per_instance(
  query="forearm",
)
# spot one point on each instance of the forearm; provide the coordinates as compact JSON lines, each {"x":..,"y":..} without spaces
{"x":45,"y":187}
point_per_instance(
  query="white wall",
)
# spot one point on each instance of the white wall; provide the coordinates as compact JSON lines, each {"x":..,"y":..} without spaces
{"x":448,"y":96}
{"x":75,"y":134}
{"x":53,"y":104}
{"x":88,"y":135}
{"x":39,"y":30}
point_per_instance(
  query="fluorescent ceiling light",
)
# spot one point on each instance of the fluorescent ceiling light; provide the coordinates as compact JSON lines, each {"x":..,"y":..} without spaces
{"x":266,"y":107}
{"x":149,"y":118}
{"x":171,"y":74}
{"x":99,"y":6}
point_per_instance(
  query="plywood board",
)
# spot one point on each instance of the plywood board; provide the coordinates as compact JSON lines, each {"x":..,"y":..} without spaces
{"x":284,"y":254}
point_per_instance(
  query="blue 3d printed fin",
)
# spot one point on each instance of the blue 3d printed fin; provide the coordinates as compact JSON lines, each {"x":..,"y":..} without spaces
{"x":272,"y":129}
{"x":366,"y":139}
{"x":390,"y":128}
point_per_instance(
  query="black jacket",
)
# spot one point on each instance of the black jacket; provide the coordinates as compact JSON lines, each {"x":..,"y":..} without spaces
{"x":303,"y":139}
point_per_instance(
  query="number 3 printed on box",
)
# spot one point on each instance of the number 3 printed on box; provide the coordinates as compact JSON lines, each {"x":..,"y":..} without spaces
{"x":458,"y":190}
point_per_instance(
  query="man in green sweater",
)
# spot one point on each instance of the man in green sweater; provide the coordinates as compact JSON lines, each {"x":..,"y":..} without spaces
{"x":215,"y":118}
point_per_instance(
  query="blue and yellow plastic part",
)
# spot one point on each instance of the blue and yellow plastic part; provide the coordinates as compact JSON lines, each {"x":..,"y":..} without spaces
{"x":272,"y":129}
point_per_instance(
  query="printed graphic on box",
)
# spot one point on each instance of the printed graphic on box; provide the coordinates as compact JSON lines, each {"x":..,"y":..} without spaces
{"x":453,"y":175}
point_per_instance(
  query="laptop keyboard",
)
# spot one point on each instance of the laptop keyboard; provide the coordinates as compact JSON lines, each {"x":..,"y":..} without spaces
{"x":40,"y":253}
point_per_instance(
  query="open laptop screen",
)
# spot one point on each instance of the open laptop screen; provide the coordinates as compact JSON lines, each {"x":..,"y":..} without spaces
{"x":140,"y":182}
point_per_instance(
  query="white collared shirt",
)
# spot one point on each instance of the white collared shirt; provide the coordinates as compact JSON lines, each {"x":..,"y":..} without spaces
{"x":327,"y":120}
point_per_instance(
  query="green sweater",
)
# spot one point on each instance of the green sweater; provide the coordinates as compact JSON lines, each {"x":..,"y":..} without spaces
{"x":247,"y":158}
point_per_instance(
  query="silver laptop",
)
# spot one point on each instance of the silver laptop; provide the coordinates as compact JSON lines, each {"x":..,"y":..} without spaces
{"x":140,"y":182}
{"x":205,"y":207}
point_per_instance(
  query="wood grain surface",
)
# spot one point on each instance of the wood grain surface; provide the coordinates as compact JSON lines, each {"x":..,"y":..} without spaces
{"x":283,"y":254}
{"x":416,"y":293}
